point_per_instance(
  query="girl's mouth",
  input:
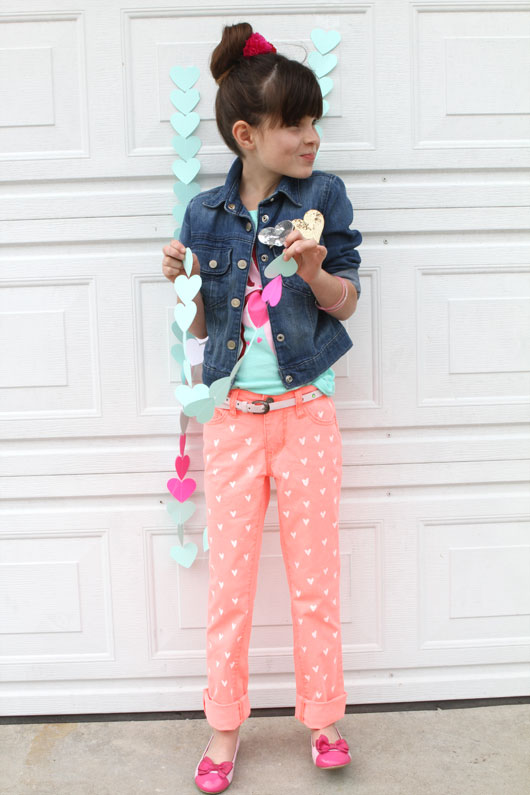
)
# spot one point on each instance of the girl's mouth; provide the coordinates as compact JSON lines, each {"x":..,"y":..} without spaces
{"x":310,"y":157}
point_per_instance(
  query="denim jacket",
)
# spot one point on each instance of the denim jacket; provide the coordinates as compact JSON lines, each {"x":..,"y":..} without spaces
{"x":218,"y":229}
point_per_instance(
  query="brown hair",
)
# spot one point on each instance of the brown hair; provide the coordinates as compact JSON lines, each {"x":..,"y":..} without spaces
{"x":266,"y":85}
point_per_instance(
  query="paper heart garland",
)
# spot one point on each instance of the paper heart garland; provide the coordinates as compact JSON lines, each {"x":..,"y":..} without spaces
{"x":186,"y":170}
{"x":182,"y":463}
{"x":275,"y":235}
{"x":185,"y":101}
{"x":188,"y":351}
{"x":311,"y":225}
{"x":185,"y":125}
{"x":322,"y":64}
{"x":325,"y":40}
{"x":181,"y":489}
{"x":184,"y":77}
{"x":186,"y":148}
{"x":184,"y":555}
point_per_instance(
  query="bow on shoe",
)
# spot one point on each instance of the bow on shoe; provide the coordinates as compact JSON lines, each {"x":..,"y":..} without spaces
{"x":207,"y":765}
{"x":323,"y":745}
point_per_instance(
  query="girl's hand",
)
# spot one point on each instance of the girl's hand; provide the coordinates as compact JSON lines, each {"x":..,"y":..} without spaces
{"x":173,"y":262}
{"x":308,"y":254}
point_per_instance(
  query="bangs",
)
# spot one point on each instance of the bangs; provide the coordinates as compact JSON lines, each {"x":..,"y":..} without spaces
{"x":290,"y":93}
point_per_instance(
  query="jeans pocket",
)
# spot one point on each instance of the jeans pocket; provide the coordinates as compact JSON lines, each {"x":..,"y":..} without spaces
{"x":321,"y":410}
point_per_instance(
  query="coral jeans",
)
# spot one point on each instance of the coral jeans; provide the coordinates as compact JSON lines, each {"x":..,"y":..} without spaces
{"x":301,"y":448}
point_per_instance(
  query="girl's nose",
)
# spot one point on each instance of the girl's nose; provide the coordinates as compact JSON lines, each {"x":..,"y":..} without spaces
{"x":312,"y":136}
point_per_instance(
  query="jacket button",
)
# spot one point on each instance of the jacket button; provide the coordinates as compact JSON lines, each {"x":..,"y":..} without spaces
{"x":213,"y":263}
{"x":264,"y":218}
{"x":248,"y":227}
{"x":231,"y":206}
{"x":235,"y":301}
{"x":280,"y":337}
{"x":288,"y":378}
{"x":231,"y":344}
{"x":242,"y":263}
{"x":264,"y":257}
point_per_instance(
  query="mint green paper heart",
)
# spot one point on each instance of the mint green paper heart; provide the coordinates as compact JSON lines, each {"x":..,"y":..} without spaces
{"x":185,"y":101}
{"x":183,"y":420}
{"x":202,"y":410}
{"x":184,"y":555}
{"x":186,"y":192}
{"x":187,"y":394}
{"x":205,"y":545}
{"x":279,"y":267}
{"x":326,"y":84}
{"x":325,"y":107}
{"x":322,"y":64}
{"x":186,"y":148}
{"x":325,"y":40}
{"x":186,"y":170}
{"x":184,"y":76}
{"x":185,"y":125}
{"x":186,"y":370}
{"x":177,"y":331}
{"x":185,"y":314}
{"x":187,"y":287}
{"x":178,"y":213}
{"x":180,"y":512}
{"x":188,"y":262}
{"x":318,"y":128}
{"x":177,"y":352}
{"x":219,"y":389}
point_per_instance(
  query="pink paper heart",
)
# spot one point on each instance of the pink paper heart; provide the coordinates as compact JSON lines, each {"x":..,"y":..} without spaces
{"x":273,"y":291}
{"x":181,"y":489}
{"x":182,"y":443}
{"x":182,"y":465}
{"x":257,"y":309}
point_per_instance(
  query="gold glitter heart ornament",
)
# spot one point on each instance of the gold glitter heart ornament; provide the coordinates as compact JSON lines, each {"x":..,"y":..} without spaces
{"x":311,"y":225}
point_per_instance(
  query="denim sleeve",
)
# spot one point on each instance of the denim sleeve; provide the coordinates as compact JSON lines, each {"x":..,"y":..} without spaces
{"x":341,"y":241}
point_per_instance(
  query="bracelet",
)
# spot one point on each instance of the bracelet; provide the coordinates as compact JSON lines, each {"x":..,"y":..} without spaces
{"x":342,"y":300}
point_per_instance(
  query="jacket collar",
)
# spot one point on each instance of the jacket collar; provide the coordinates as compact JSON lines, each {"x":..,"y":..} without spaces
{"x":229,"y":192}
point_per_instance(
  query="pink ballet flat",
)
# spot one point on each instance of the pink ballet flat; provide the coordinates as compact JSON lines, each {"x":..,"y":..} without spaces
{"x":214,"y":777}
{"x":326,"y":754}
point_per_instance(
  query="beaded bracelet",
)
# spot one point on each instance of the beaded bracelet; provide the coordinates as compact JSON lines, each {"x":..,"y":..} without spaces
{"x":342,"y":300}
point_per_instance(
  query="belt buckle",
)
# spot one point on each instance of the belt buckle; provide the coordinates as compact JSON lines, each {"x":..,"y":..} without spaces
{"x":265,"y":403}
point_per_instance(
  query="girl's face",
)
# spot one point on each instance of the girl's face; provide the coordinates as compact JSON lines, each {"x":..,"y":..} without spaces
{"x":287,"y":151}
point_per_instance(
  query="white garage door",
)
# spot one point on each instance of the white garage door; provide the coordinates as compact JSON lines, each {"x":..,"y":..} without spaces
{"x":427,"y":125}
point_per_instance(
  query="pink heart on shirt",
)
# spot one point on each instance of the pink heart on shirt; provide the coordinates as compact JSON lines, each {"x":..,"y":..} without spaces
{"x":257,"y":309}
{"x":273,"y":291}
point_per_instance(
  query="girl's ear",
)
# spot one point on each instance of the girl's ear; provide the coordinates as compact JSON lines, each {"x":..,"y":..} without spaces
{"x":243,"y":135}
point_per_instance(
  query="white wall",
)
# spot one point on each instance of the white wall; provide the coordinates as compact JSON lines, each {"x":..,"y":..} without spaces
{"x":427,"y":126}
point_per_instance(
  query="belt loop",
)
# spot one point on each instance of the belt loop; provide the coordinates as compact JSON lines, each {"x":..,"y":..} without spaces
{"x":233,"y":398}
{"x":299,"y":405}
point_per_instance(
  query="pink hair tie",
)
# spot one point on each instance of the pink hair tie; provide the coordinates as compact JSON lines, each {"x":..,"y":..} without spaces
{"x":342,"y":299}
{"x":257,"y":44}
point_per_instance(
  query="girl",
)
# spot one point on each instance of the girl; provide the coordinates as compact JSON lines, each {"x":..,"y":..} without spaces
{"x":279,"y":417}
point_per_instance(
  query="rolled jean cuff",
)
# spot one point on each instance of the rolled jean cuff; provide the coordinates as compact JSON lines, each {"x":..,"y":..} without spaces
{"x":225,"y":716}
{"x":317,"y":714}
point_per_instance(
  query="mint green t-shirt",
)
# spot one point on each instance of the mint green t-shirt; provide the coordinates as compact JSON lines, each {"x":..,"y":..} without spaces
{"x":258,"y":371}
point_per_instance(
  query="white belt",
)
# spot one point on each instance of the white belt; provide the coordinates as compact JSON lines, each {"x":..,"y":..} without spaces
{"x":268,"y":404}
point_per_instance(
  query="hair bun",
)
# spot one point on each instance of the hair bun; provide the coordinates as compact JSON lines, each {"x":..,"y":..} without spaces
{"x":230,"y":49}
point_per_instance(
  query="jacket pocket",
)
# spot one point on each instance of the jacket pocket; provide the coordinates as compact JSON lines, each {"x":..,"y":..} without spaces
{"x":215,"y":272}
